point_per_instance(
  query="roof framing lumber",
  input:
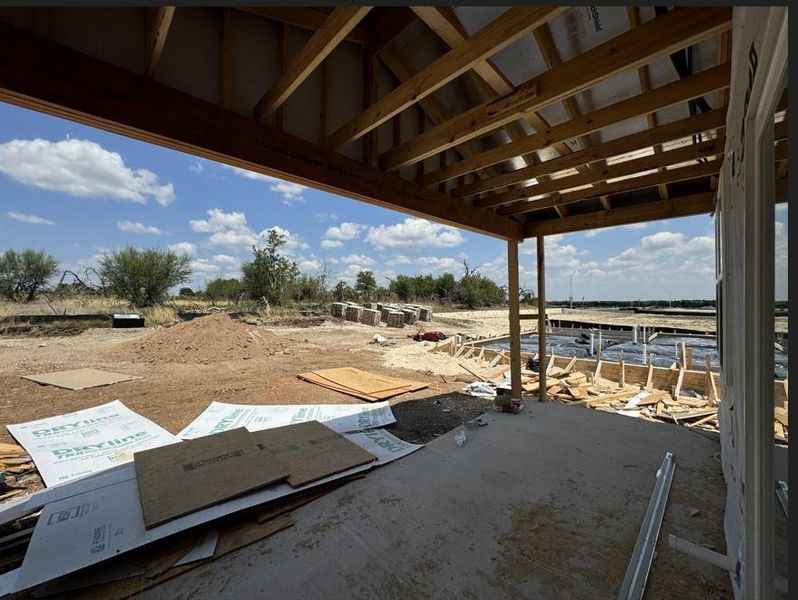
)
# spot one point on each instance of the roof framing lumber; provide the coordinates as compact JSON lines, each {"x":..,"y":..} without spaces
{"x":325,"y":39}
{"x":304,"y":18}
{"x":41,"y":75}
{"x":634,"y":183}
{"x":386,"y":25}
{"x":662,"y":97}
{"x":159,"y":20}
{"x":444,"y":22}
{"x":680,"y":206}
{"x":635,"y":142}
{"x":498,"y":34}
{"x":680,"y":27}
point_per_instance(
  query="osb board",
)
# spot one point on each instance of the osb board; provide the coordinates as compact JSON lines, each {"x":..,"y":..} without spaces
{"x":311,"y":378}
{"x":179,"y":479}
{"x":310,"y":451}
{"x":79,"y":379}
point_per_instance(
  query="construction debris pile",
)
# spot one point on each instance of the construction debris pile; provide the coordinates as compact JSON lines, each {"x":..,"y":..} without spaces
{"x":209,"y":339}
{"x":674,"y":395}
{"x":140,"y":508}
{"x":393,"y":315}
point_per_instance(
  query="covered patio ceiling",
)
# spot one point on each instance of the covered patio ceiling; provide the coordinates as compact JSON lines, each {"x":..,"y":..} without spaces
{"x":514,"y":122}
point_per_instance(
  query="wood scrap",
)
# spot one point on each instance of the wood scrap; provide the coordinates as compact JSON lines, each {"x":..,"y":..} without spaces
{"x":782,"y":416}
{"x":477,"y":375}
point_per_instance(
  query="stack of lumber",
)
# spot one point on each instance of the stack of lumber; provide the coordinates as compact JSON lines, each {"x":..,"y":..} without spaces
{"x":371,"y":387}
{"x":14,"y":463}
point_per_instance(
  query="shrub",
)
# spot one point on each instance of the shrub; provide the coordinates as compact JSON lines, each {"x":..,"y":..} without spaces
{"x":143,"y":277}
{"x":223,"y":289}
{"x":270,"y":275}
{"x":22,"y":274}
{"x":366,"y":285}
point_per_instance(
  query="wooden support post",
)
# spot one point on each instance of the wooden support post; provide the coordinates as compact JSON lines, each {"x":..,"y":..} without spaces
{"x":515,"y":322}
{"x":688,"y":358}
{"x":650,"y":376}
{"x":622,"y":378}
{"x":541,"y":318}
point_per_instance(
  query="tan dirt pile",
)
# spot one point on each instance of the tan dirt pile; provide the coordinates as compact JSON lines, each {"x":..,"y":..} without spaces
{"x":204,"y":340}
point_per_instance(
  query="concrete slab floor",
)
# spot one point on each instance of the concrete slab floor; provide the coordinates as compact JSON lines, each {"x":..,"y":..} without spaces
{"x":545,"y":504}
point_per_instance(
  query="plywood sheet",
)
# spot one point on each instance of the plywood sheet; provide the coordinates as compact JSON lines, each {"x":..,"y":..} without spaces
{"x":182,"y":478}
{"x":361,"y":384}
{"x":310,"y":451}
{"x":79,"y":379}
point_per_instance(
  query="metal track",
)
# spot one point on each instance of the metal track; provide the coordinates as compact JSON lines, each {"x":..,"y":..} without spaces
{"x":634,"y":582}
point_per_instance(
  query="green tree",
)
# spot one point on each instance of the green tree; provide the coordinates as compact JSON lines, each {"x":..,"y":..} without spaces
{"x":474,"y":290}
{"x":143,"y":277}
{"x":404,"y":287}
{"x":311,"y":288}
{"x":223,"y":289}
{"x":22,"y":274}
{"x":343,"y":292}
{"x":445,"y":287}
{"x":269,"y":275}
{"x":186,"y":292}
{"x":366,"y":285}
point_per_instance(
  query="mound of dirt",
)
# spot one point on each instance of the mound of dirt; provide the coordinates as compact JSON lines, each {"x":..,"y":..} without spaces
{"x":204,"y":340}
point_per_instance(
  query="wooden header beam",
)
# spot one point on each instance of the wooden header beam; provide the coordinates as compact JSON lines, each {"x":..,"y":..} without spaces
{"x":498,"y":34}
{"x":159,"y":20}
{"x":310,"y":19}
{"x":678,"y":29}
{"x":680,"y":206}
{"x":41,"y":75}
{"x":325,"y":39}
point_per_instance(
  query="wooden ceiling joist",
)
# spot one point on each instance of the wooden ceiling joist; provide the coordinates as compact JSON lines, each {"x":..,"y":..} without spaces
{"x":635,"y":142}
{"x":696,"y":171}
{"x":500,"y":33}
{"x":41,"y":75}
{"x":444,"y":22}
{"x":662,"y":97}
{"x":386,"y":25}
{"x":685,"y":206}
{"x":159,"y":20}
{"x":304,"y":18}
{"x":319,"y":46}
{"x":622,"y":169}
{"x":679,"y":28}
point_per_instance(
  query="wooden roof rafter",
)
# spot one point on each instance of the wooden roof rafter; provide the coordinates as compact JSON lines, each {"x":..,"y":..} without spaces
{"x":673,"y":31}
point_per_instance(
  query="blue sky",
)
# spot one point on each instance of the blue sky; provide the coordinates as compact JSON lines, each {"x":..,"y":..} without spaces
{"x":77,"y":192}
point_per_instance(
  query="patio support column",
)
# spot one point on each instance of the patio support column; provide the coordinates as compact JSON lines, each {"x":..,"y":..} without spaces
{"x":513,"y":295}
{"x":541,"y":320}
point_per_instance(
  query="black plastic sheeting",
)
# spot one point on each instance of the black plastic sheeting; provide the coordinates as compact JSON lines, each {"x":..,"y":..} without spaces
{"x":663,"y":350}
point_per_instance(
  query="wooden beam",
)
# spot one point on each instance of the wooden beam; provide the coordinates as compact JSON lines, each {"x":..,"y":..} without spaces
{"x":541,"y":318}
{"x":304,"y":18}
{"x":444,"y":22}
{"x":224,"y":59}
{"x":675,"y":206}
{"x":626,"y":185}
{"x":644,"y":77}
{"x":631,"y":143}
{"x":659,"y":98}
{"x":324,"y":106}
{"x":387,"y":24}
{"x":513,"y":297}
{"x":48,"y":77}
{"x":334,"y":29}
{"x":622,"y":169}
{"x":434,"y":108}
{"x":498,"y":34}
{"x":159,"y":20}
{"x":370,"y":91}
{"x":677,"y":29}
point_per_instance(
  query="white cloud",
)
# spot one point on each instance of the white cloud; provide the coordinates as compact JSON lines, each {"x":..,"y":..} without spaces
{"x":196,"y":166}
{"x":415,"y":234}
{"x":187,"y":248}
{"x":345,"y":231}
{"x":330,"y":244}
{"x":293,"y":242}
{"x":219,"y":221}
{"x":30,"y":219}
{"x":430,"y":264}
{"x":324,"y":216}
{"x":232,"y":238}
{"x":288,"y":191}
{"x":80,"y":168}
{"x":131,"y":227}
{"x":218,"y":265}
{"x":357,"y":259}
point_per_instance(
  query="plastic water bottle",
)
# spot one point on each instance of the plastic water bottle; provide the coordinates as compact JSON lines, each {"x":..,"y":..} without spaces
{"x":460,"y":438}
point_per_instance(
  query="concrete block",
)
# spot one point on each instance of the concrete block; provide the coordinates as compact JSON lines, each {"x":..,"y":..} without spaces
{"x":353,"y":313}
{"x":411,"y":316}
{"x":425,"y":314}
{"x":395,"y":319}
{"x":337,"y":309}
{"x":370,"y":317}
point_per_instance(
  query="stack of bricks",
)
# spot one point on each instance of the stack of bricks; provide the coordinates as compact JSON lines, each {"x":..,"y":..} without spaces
{"x":395,"y":318}
{"x":411,"y":316}
{"x":370,"y":317}
{"x":353,"y":313}
{"x":384,"y":312}
{"x":425,"y":314}
{"x":337,"y":309}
